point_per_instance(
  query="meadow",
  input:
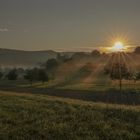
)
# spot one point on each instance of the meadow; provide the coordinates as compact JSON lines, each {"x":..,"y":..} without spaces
{"x":88,"y":92}
{"x":36,"y":116}
{"x":68,"y":112}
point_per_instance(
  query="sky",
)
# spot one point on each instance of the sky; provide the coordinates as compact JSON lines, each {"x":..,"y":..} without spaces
{"x":68,"y":25}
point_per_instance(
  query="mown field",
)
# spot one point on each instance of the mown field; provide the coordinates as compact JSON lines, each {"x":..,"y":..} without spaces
{"x":36,"y":117}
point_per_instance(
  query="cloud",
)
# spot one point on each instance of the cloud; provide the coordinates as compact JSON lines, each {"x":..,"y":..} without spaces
{"x":4,"y":30}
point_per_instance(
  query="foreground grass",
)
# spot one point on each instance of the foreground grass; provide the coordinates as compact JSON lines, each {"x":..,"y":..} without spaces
{"x":30,"y":116}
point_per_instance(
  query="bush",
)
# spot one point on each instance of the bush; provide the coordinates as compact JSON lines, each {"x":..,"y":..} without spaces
{"x":12,"y":75}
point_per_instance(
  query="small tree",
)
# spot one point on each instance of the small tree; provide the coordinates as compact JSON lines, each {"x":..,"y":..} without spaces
{"x":12,"y":75}
{"x":42,"y":76}
{"x":31,"y":75}
{"x":51,"y":66}
{"x":95,"y":53}
{"x":118,"y":70}
{"x":1,"y":75}
{"x":137,"y":77}
{"x":36,"y":74}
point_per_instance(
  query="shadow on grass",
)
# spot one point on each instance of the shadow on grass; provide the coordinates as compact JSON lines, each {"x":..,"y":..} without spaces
{"x":128,"y":97}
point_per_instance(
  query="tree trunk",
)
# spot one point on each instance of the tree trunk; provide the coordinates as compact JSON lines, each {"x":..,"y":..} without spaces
{"x":120,"y":83}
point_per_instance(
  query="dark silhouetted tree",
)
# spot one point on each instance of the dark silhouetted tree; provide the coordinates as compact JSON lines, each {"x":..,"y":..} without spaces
{"x":12,"y":75}
{"x":42,"y":76}
{"x":51,"y":67}
{"x":118,"y":70}
{"x":137,"y":77}
{"x":1,"y":75}
{"x":95,"y":53}
{"x":31,"y":75}
{"x":137,"y":50}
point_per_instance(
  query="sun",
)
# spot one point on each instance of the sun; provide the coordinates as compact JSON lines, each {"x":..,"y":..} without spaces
{"x":118,"y":47}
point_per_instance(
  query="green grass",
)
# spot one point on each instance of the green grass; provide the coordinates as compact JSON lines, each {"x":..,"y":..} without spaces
{"x":35,"y":117}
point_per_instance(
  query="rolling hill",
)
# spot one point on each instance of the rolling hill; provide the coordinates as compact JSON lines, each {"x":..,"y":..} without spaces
{"x":20,"y":58}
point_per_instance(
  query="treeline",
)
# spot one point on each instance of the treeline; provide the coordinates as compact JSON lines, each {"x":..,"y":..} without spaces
{"x":32,"y":74}
{"x":45,"y":71}
{"x":42,"y":73}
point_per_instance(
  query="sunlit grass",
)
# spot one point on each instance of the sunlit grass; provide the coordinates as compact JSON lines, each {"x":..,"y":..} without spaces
{"x":101,"y":87}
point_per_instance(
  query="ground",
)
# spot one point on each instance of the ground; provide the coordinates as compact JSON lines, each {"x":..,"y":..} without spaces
{"x":71,"y":112}
{"x":37,"y":116}
{"x":93,"y":92}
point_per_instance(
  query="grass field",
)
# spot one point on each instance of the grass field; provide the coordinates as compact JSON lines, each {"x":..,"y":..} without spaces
{"x":74,"y":86}
{"x":35,"y":117}
{"x":91,"y":92}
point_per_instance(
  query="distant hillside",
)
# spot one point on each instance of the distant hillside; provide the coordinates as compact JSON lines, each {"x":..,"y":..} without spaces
{"x":20,"y":58}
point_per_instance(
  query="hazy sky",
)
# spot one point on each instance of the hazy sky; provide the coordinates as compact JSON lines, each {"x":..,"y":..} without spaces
{"x":67,"y":25}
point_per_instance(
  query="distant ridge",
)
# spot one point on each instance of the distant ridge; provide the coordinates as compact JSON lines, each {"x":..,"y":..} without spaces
{"x":22,"y":58}
{"x":16,"y":50}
